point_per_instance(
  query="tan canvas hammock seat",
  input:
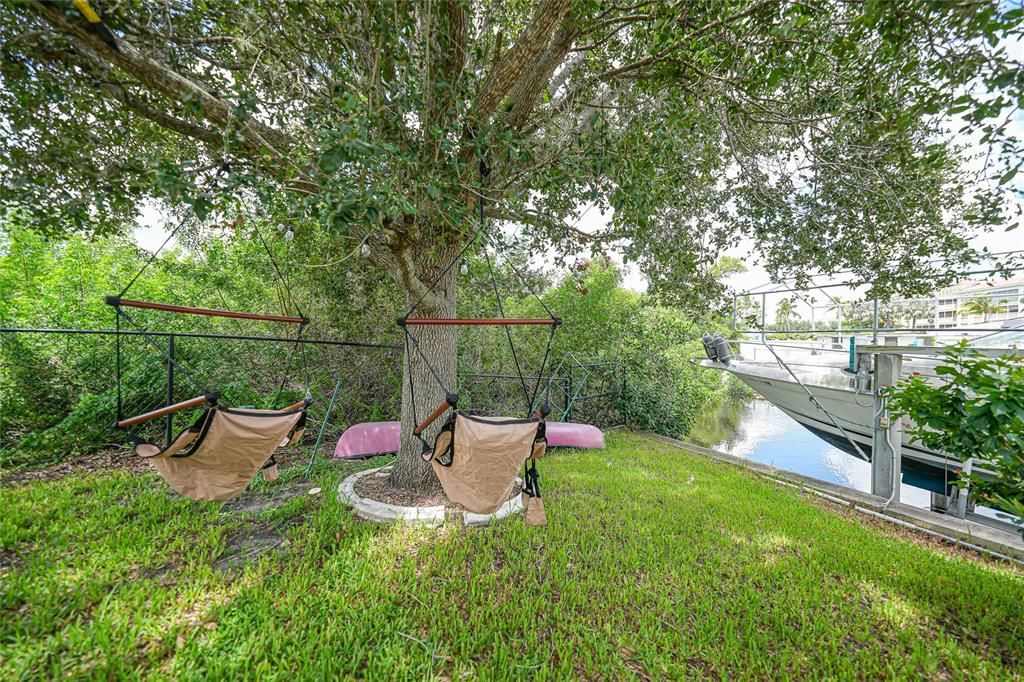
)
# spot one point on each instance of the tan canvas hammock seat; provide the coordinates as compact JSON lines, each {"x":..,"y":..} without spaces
{"x":217,"y":457}
{"x":477,"y":458}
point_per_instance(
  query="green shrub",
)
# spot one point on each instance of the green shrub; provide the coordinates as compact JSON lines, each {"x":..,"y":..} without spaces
{"x":57,"y":393}
{"x":976,"y":412}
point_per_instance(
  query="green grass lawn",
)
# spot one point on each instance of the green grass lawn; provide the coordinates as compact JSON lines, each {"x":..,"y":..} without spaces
{"x":655,"y":564}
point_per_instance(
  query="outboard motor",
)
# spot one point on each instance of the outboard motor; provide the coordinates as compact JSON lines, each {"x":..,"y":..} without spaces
{"x":709,"y":347}
{"x":721,"y":349}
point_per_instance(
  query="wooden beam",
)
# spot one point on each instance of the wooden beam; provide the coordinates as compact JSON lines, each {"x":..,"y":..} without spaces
{"x":123,"y":302}
{"x":198,"y":401}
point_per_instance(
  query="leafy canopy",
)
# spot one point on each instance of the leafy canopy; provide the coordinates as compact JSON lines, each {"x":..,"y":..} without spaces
{"x":817,"y":128}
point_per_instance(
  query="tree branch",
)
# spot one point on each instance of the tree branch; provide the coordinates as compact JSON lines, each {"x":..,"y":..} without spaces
{"x":516,"y":62}
{"x":684,"y":41}
{"x":106,"y":83}
{"x":451,"y":63}
{"x":258,"y":138}
{"x":524,"y":95}
{"x":563,"y":75}
{"x":117,"y":91}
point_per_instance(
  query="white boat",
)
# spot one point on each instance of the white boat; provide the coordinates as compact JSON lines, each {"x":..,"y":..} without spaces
{"x":852,"y":409}
{"x":842,"y":407}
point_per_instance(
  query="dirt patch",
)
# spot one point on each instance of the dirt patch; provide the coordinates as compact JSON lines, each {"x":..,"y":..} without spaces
{"x":246,"y":546}
{"x":107,"y":460}
{"x":287,"y":457}
{"x":378,"y":487}
{"x":9,"y":561}
{"x":634,"y":664}
{"x":117,"y":460}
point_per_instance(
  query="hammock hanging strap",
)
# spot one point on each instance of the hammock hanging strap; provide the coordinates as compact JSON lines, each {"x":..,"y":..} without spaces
{"x":412,"y":344}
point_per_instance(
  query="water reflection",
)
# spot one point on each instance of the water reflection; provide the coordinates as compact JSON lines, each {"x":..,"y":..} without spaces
{"x":759,"y":431}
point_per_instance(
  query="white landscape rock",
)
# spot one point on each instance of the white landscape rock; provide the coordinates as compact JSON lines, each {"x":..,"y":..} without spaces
{"x":382,"y":512}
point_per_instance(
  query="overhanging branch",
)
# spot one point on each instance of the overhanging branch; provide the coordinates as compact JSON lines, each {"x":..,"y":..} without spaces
{"x":258,"y":138}
{"x":516,"y":62}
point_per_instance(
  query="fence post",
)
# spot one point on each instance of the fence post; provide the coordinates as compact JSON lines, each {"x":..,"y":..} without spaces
{"x":764,"y":309}
{"x":569,"y":398}
{"x":169,"y":419}
{"x":874,"y":323}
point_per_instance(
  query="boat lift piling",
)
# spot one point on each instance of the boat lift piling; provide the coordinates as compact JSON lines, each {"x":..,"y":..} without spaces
{"x":887,"y":440}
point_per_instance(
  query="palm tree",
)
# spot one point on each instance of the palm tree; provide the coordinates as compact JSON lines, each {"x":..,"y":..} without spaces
{"x":859,"y":313}
{"x":918,"y":310}
{"x":748,"y":311}
{"x":785,"y":313}
{"x":836,"y":306}
{"x":890,"y":314}
{"x":982,"y":305}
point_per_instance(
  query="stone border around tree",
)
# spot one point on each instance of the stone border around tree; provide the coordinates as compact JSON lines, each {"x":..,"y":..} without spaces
{"x":383,"y":512}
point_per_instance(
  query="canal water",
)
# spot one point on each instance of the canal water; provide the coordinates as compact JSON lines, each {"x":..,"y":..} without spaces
{"x":759,"y":431}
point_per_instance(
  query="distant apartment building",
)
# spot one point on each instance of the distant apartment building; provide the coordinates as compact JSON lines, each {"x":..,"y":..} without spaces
{"x":953,"y":307}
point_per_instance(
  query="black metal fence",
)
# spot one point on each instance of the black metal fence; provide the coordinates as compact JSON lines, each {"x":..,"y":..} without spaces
{"x":59,"y":395}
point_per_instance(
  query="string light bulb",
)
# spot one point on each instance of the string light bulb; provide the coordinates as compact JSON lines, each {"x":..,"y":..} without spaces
{"x":365,"y":249}
{"x":465,"y":267}
{"x":289,"y":235}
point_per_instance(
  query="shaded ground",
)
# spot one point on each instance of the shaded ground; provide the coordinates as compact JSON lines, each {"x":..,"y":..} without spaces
{"x":117,"y":460}
{"x":655,"y":564}
{"x":108,"y":460}
{"x":377,"y":487}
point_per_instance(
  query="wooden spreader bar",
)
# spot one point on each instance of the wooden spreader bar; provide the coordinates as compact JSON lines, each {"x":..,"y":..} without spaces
{"x":301,"y":403}
{"x":450,"y":402}
{"x":127,"y":303}
{"x":198,"y":401}
{"x":493,"y":321}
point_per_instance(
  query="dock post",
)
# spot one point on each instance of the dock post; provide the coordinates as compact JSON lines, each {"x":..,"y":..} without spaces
{"x":888,"y":432}
{"x":961,"y":495}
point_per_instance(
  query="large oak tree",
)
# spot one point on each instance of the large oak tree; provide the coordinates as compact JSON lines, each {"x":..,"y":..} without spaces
{"x":816,"y":127}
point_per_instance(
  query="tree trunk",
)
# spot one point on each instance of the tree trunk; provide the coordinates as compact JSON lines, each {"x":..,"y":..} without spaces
{"x":437,"y":345}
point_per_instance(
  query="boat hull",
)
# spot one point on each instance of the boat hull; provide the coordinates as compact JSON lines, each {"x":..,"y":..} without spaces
{"x":922,"y":467}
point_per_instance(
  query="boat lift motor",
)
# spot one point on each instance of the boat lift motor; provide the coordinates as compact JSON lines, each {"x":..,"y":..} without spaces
{"x":709,"y":347}
{"x":721,"y":349}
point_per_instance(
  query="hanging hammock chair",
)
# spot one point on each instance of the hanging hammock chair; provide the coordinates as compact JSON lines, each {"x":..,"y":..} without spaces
{"x":219,"y":454}
{"x":476,"y":458}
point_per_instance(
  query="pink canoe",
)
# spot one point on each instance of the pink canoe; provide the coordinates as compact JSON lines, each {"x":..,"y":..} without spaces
{"x":380,"y":438}
{"x":570,"y":435}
